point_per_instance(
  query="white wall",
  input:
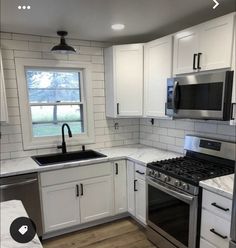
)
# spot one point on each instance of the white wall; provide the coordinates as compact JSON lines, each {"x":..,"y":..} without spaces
{"x":28,"y":46}
{"x":169,"y":134}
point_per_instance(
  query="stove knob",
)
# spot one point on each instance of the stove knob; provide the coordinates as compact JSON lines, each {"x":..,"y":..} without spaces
{"x":177,"y":183}
{"x":158,"y":174}
{"x":167,"y":179}
{"x":150,"y":172}
{"x":185,"y":186}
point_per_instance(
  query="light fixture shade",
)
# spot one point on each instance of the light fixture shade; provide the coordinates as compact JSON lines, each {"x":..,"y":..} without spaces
{"x":63,"y":47}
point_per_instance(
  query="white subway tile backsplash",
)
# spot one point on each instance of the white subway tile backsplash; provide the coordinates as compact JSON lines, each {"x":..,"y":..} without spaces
{"x":5,"y":35}
{"x":27,"y":54}
{"x":205,"y":127}
{"x":184,"y":125}
{"x":14,"y":44}
{"x":7,"y":54}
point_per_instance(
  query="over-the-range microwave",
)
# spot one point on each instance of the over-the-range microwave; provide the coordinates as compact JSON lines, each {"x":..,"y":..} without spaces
{"x":200,"y":96}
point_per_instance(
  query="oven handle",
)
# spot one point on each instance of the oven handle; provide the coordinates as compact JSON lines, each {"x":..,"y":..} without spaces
{"x":181,"y":196}
{"x":175,"y":100}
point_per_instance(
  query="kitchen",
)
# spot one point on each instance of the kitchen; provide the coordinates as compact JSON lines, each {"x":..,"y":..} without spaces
{"x":118,"y":132}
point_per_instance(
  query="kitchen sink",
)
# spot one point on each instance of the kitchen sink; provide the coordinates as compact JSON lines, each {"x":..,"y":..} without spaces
{"x":49,"y":159}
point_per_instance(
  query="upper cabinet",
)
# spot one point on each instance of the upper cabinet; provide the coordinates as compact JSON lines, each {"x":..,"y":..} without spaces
{"x":157,"y":68}
{"x":124,"y":80}
{"x":207,"y":46}
{"x":4,"y":112}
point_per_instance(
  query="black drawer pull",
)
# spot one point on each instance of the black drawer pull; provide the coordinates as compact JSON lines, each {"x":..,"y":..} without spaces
{"x":218,"y":234}
{"x":135,"y":185}
{"x":198,"y":61}
{"x":117,"y":170}
{"x":77,"y":190}
{"x":82,"y":189}
{"x":214,"y":204}
{"x":194,"y":61}
{"x":139,"y":172}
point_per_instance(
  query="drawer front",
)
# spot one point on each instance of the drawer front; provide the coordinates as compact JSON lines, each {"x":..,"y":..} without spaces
{"x":212,"y":227}
{"x":75,"y":174}
{"x":205,"y":244}
{"x":217,"y":204}
{"x":140,"y":171}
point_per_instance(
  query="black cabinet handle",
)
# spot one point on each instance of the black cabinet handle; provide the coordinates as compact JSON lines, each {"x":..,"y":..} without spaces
{"x":118,"y":108}
{"x":218,"y":234}
{"x":194,"y":61}
{"x":135,"y":181}
{"x":117,"y":169}
{"x":214,"y":204}
{"x":82,"y":189}
{"x":139,"y":172}
{"x":198,"y":61}
{"x":77,"y":190}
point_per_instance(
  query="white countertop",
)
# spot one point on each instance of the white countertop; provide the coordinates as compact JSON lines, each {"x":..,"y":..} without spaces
{"x":220,"y":185}
{"x":10,"y":210}
{"x":136,"y":153}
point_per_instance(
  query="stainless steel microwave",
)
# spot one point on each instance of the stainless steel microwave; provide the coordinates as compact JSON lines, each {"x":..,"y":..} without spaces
{"x":200,"y":96}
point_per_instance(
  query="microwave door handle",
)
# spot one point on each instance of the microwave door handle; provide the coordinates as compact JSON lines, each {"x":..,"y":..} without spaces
{"x":174,"y":101}
{"x":186,"y":198}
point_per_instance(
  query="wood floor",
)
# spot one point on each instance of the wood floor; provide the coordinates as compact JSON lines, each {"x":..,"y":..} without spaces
{"x":125,"y":233}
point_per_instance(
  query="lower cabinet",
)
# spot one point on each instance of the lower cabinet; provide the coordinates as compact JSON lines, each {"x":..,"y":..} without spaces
{"x":60,"y":206}
{"x":96,"y":198}
{"x":136,"y":187}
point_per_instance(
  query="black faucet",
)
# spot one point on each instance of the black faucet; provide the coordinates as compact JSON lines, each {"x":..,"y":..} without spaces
{"x":63,"y":145}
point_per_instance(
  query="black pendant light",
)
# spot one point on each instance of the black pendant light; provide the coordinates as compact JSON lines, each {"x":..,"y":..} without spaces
{"x":63,"y":47}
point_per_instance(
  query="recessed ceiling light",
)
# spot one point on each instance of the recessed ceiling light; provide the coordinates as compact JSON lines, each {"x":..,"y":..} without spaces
{"x":118,"y":26}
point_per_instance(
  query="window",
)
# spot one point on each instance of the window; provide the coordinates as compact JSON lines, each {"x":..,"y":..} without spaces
{"x":55,"y":97}
{"x":52,"y":93}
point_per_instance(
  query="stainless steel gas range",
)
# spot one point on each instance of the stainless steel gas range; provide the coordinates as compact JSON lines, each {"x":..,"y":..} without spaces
{"x":174,"y":195}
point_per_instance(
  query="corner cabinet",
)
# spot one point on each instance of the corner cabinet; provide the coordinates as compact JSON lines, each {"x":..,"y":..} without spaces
{"x":124,"y":80}
{"x":207,"y":46}
{"x":157,"y":68}
{"x":3,"y":99}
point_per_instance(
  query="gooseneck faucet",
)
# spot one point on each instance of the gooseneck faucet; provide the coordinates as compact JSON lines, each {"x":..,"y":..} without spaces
{"x":63,"y":145}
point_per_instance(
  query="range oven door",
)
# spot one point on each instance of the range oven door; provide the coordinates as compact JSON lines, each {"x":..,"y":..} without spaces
{"x":206,"y":96}
{"x":172,"y":213}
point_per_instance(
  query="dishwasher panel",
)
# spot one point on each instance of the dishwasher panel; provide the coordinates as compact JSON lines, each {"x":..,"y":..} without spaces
{"x":24,"y":188}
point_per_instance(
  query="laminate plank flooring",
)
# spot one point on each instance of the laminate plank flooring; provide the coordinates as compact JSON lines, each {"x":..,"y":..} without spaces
{"x":125,"y":233}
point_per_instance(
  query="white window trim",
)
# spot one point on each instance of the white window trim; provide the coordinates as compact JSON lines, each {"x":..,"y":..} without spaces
{"x":30,"y":142}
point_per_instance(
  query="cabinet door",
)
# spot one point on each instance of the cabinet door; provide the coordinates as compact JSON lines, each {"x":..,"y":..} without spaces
{"x":186,"y":44}
{"x":216,"y":40}
{"x":128,"y":73}
{"x":140,"y":200}
{"x":120,"y":187}
{"x":96,"y":198}
{"x":130,"y":187}
{"x":4,"y":111}
{"x":60,"y":206}
{"x":157,"y":68}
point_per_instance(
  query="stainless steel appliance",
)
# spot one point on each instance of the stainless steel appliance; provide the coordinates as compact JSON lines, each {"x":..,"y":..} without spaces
{"x":174,"y":195}
{"x":24,"y":188}
{"x":233,"y":220}
{"x":200,"y":96}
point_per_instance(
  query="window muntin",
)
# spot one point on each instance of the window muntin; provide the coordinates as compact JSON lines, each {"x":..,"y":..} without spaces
{"x":55,"y":97}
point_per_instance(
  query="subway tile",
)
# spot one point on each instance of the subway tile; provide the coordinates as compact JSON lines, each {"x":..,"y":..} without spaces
{"x":5,"y":155}
{"x":8,"y":64}
{"x":11,"y":147}
{"x":226,"y":130}
{"x":176,"y":133}
{"x":167,"y":140}
{"x":11,"y":92}
{"x":97,"y":59}
{"x":50,"y":55}
{"x":27,"y":54}
{"x":5,"y":35}
{"x":7,"y":54}
{"x":90,"y":50}
{"x":25,"y":37}
{"x":14,"y":44}
{"x":9,"y":74}
{"x":10,"y":83}
{"x":79,"y":57}
{"x":184,"y":125}
{"x":205,"y":127}
{"x":167,"y":123}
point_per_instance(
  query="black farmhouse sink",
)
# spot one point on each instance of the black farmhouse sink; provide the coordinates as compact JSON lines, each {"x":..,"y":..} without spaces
{"x":49,"y":159}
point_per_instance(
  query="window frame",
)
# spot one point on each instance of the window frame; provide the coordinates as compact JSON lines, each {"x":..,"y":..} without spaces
{"x":30,"y":142}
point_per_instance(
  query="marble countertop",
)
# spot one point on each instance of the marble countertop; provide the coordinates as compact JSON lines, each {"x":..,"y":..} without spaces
{"x":10,"y":210}
{"x":136,"y":153}
{"x":220,"y":185}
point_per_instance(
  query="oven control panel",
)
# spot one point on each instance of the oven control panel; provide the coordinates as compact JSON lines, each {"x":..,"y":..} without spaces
{"x":172,"y":181}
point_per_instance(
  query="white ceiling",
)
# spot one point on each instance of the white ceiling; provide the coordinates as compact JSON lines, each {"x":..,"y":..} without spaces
{"x":91,"y":19}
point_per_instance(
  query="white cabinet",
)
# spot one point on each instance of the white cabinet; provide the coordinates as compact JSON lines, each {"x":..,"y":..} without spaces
{"x":3,"y":99}
{"x":136,"y":191}
{"x":207,"y":46}
{"x":215,"y":222}
{"x":185,"y":48}
{"x":157,"y":68}
{"x":90,"y":196}
{"x":96,"y":198}
{"x":120,"y":186}
{"x":60,"y":206}
{"x":140,"y":200}
{"x":124,"y":80}
{"x":130,"y":187}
